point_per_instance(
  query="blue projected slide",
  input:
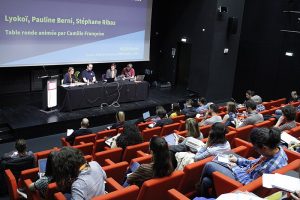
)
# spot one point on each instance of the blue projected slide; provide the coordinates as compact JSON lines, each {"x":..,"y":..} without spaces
{"x":50,"y":32}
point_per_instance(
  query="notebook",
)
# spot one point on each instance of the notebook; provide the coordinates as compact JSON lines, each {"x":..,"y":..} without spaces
{"x":283,"y":182}
{"x":289,"y":139}
{"x":110,"y":141}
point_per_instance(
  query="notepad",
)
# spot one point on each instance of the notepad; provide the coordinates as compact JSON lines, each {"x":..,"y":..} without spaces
{"x":283,"y":182}
{"x":288,"y":138}
{"x":69,"y":131}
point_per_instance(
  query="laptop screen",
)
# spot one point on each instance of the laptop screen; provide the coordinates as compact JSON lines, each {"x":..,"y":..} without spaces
{"x":42,"y":165}
{"x":146,"y":115}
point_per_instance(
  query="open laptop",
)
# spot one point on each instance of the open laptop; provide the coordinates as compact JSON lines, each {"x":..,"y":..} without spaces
{"x":140,"y":77}
{"x":146,"y":115}
{"x":42,"y":166}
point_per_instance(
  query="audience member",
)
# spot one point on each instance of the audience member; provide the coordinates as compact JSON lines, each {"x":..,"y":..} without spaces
{"x":191,"y":126}
{"x":41,"y":184}
{"x":84,"y":130}
{"x":160,"y":166}
{"x":294,"y":97}
{"x":163,"y":119}
{"x":287,"y":119}
{"x":128,"y":71}
{"x":69,"y":76}
{"x":272,"y":157}
{"x":253,"y":117}
{"x":249,"y":94}
{"x":19,"y":152}
{"x":111,"y":72}
{"x":215,"y":144}
{"x":230,"y":119}
{"x":75,"y":176}
{"x":130,"y":136}
{"x":259,"y":106}
{"x":189,"y":110}
{"x":120,"y":117}
{"x":213,"y":111}
{"x":88,"y":75}
{"x":203,"y":107}
{"x":175,"y":110}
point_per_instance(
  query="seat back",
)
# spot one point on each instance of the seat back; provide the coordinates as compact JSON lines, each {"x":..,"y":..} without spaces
{"x":141,"y":126}
{"x":167,"y":129}
{"x":98,"y":146}
{"x":31,"y":174}
{"x":244,"y":132}
{"x":278,"y":102}
{"x":43,"y":154}
{"x":59,"y":196}
{"x":142,"y":160}
{"x":230,"y":137}
{"x":85,"y":138}
{"x":267,"y":105}
{"x":106,"y":133}
{"x":116,"y":171}
{"x":32,"y":195}
{"x":205,"y":130}
{"x":147,"y":134}
{"x":129,"y":193}
{"x":130,"y":151}
{"x":64,"y":142}
{"x":292,"y":155}
{"x":250,"y":152}
{"x":87,"y":149}
{"x":177,"y":119}
{"x":52,"y":189}
{"x":267,"y":123}
{"x":157,"y":188}
{"x":295,"y":131}
{"x":12,"y":185}
{"x":112,"y":154}
{"x":17,"y":165}
{"x":192,"y":173}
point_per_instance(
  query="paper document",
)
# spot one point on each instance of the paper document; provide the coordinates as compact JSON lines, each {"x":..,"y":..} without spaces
{"x":69,"y":131}
{"x":283,"y":182}
{"x":288,"y":138}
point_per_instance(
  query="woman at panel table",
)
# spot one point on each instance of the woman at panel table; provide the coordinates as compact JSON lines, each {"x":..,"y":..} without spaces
{"x":69,"y":76}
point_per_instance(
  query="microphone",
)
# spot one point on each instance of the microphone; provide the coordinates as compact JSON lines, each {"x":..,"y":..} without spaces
{"x":45,"y":70}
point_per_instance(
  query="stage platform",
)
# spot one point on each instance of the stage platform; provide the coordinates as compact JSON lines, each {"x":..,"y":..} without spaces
{"x":20,"y":115}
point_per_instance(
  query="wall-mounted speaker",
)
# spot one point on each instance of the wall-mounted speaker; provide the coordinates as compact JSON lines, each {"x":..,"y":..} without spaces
{"x":232,"y":25}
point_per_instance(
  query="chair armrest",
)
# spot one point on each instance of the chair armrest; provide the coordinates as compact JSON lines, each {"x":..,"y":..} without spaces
{"x":173,"y":194}
{"x":220,"y":180}
{"x":106,"y":148}
{"x":32,"y":194}
{"x":141,"y":154}
{"x":108,"y":162}
{"x":64,"y":142}
{"x":81,"y":142}
{"x":176,"y":131}
{"x":59,"y":196}
{"x":112,"y":185}
{"x":204,"y":140}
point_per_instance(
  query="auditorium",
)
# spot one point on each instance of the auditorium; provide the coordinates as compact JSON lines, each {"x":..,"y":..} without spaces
{"x":149,"y":99}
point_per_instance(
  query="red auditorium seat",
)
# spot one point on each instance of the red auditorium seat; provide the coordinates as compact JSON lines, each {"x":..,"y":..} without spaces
{"x":85,"y":138}
{"x":243,"y":132}
{"x":205,"y":130}
{"x":113,"y":154}
{"x":116,"y":171}
{"x":106,"y":133}
{"x":12,"y":185}
{"x":147,"y":134}
{"x":168,"y":129}
{"x":87,"y":149}
{"x":129,"y":193}
{"x":130,"y":151}
{"x":174,"y":194}
{"x":141,"y":126}
{"x":179,"y":118}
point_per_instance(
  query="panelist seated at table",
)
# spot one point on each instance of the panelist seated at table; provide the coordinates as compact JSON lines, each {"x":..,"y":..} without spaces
{"x":128,"y":71}
{"x":69,"y":76}
{"x":111,"y":72}
{"x":88,"y":75}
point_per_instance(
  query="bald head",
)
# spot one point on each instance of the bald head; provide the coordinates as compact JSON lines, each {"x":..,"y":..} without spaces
{"x":85,"y":123}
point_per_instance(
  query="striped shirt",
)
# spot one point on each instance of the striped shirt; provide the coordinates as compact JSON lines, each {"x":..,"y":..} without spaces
{"x":42,"y":185}
{"x":267,"y":166}
{"x":142,"y":174}
{"x":287,"y":126}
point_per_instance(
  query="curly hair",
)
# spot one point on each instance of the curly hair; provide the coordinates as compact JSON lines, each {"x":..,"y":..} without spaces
{"x":131,"y":136}
{"x":66,"y":165}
